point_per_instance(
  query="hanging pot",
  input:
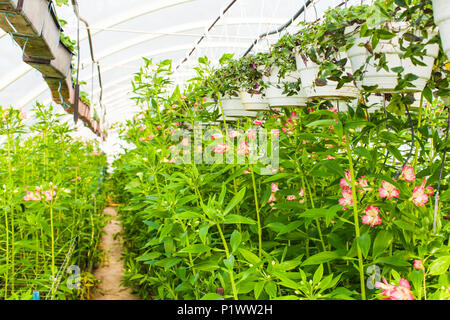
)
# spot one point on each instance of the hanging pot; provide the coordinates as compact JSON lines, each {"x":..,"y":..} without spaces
{"x":308,"y":74}
{"x":254,"y":102}
{"x":441,"y":11}
{"x":274,"y":93}
{"x":232,"y":107}
{"x":387,"y":80}
{"x":375,"y":102}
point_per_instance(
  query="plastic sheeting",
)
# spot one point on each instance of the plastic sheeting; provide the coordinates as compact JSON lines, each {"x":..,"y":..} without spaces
{"x":125,"y":31}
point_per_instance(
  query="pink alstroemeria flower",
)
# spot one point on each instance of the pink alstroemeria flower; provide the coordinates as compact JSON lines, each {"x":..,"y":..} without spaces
{"x":251,"y":134}
{"x":185,"y":142}
{"x":302,"y":192}
{"x":216,"y":136}
{"x":408,"y":174}
{"x":419,"y":195}
{"x":271,"y":198}
{"x":403,"y":291}
{"x":49,"y":194}
{"x":220,"y":148}
{"x":291,"y":197}
{"x":234,"y":134}
{"x":418,"y":265}
{"x":371,"y":217}
{"x":275,"y":132}
{"x":345,"y":182}
{"x":388,"y":191}
{"x":274,"y":187}
{"x":257,"y":122}
{"x":243,"y":148}
{"x":400,"y":292}
{"x":347,"y":198}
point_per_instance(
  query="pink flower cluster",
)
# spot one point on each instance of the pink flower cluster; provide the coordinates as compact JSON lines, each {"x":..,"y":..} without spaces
{"x":388,"y":190}
{"x":272,"y":198}
{"x":33,"y":195}
{"x":421,"y":194}
{"x":371,"y":217}
{"x":400,"y":292}
{"x":345,"y":184}
{"x":37,"y":194}
{"x":290,"y":197}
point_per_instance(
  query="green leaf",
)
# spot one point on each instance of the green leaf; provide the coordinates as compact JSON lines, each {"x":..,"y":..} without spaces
{"x":394,"y":261}
{"x":235,"y":201}
{"x":271,"y":288}
{"x":285,"y":281}
{"x":276,"y":177}
{"x":364,"y":243}
{"x":211,"y":296}
{"x":322,"y":257}
{"x":318,"y":275}
{"x":428,"y":94}
{"x":381,"y":243}
{"x":259,"y":286}
{"x":229,"y":263}
{"x":363,"y":152}
{"x":325,"y":122}
{"x":196,"y":248}
{"x":408,"y":226}
{"x":235,"y":240}
{"x":439,"y":266}
{"x":235,"y":219}
{"x":203,"y":232}
{"x":395,"y":153}
{"x":249,"y":256}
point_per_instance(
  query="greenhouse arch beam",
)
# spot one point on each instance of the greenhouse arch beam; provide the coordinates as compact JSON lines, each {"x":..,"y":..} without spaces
{"x":22,"y":72}
{"x":138,"y":12}
{"x":170,"y":50}
{"x":180,"y":28}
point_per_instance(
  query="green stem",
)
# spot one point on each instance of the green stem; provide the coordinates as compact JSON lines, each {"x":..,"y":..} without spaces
{"x":227,"y":253}
{"x":319,"y":230}
{"x":255,"y":193}
{"x":7,"y":250}
{"x":53,"y":240}
{"x":356,"y":218}
{"x":11,"y":206}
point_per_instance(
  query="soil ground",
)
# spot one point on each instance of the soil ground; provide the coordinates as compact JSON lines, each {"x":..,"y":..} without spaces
{"x":110,"y":273}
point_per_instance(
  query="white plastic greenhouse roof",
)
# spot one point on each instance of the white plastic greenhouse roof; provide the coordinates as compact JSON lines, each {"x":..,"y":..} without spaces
{"x":125,"y":31}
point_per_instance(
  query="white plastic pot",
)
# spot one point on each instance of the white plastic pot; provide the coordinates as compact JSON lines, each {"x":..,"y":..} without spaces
{"x":232,"y":107}
{"x":441,"y":11}
{"x":387,"y":80}
{"x":274,"y":93}
{"x":308,"y":75}
{"x":254,"y":102}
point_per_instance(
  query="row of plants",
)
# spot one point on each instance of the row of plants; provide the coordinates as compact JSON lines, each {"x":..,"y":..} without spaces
{"x":358,"y":206}
{"x":51,"y":204}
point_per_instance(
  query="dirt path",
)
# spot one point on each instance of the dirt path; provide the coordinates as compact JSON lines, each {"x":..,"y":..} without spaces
{"x":110,"y":274}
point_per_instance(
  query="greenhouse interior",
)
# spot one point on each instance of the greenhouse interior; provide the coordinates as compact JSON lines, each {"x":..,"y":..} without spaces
{"x":224,"y":150}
